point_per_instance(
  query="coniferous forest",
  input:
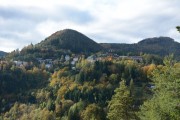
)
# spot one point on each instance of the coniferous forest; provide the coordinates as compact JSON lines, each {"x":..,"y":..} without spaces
{"x":62,"y":79}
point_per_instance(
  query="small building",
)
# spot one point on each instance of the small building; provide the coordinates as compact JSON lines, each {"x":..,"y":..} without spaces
{"x":67,"y":57}
{"x":73,"y":68}
{"x":136,"y":58}
{"x":18,"y":63}
{"x":25,"y":63}
{"x":123,"y":57}
{"x":40,"y":60}
{"x":73,"y":62}
{"x":48,"y":65}
{"x":49,"y":61}
{"x":75,"y":59}
{"x":21,"y":63}
{"x":91,"y":58}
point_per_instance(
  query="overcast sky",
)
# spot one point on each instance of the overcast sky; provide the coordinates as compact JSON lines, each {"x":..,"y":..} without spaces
{"x":112,"y":21}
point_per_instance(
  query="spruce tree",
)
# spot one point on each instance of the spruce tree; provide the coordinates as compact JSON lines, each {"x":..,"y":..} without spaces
{"x":120,"y":106}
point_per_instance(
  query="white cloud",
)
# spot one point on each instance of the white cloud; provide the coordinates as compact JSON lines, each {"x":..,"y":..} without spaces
{"x":121,"y":21}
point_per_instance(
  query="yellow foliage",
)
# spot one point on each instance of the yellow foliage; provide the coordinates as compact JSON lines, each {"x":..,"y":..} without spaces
{"x":80,"y":87}
{"x":100,"y":86}
{"x":149,"y":69}
{"x":54,"y":75}
{"x":62,"y":91}
{"x":177,"y":65}
{"x":72,"y":86}
{"x":53,"y":82}
{"x":159,"y":66}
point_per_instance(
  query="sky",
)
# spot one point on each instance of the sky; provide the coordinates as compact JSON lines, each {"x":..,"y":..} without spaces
{"x":23,"y":22}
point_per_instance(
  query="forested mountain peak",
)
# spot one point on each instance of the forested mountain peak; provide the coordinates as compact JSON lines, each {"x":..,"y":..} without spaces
{"x":157,"y":40}
{"x":71,"y":40}
{"x":162,"y":46}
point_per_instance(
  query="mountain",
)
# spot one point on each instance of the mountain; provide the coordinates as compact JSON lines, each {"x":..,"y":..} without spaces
{"x":60,"y":43}
{"x":72,"y":40}
{"x":2,"y":53}
{"x":162,"y":46}
{"x":158,"y":45}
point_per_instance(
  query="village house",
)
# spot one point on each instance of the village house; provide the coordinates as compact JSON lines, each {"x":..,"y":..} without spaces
{"x":75,"y":59}
{"x":137,"y":58}
{"x":40,"y":60}
{"x":91,"y":58}
{"x":20,"y":63}
{"x":73,"y":62}
{"x":49,"y":61}
{"x":123,"y":57}
{"x":48,"y":65}
{"x":67,"y":57}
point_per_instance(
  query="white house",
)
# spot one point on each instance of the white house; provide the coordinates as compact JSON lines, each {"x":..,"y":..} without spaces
{"x":18,"y":63}
{"x":25,"y":63}
{"x":136,"y":58}
{"x":67,"y":57}
{"x":91,"y":58}
{"x":75,"y":59}
{"x":73,"y":62}
{"x":48,"y":65}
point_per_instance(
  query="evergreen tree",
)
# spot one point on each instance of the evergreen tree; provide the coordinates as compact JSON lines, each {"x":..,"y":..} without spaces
{"x":120,"y":106}
{"x":164,"y":104}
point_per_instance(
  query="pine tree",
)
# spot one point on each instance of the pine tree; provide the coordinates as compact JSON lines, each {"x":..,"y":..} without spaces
{"x":120,"y":106}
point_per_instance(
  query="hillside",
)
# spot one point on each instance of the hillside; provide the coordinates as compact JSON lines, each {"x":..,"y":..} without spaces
{"x":158,"y":45}
{"x":69,"y":39}
{"x":60,"y":43}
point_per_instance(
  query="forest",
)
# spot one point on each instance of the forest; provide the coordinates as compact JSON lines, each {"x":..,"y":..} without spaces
{"x":102,"y":90}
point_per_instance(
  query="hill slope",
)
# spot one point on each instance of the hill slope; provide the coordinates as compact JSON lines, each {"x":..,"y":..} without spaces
{"x":158,"y":45}
{"x":60,"y":43}
{"x":71,"y":40}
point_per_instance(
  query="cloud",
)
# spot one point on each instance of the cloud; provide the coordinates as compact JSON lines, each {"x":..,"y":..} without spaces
{"x":75,"y":15}
{"x":7,"y":44}
{"x":120,"y":21}
{"x":26,"y":26}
